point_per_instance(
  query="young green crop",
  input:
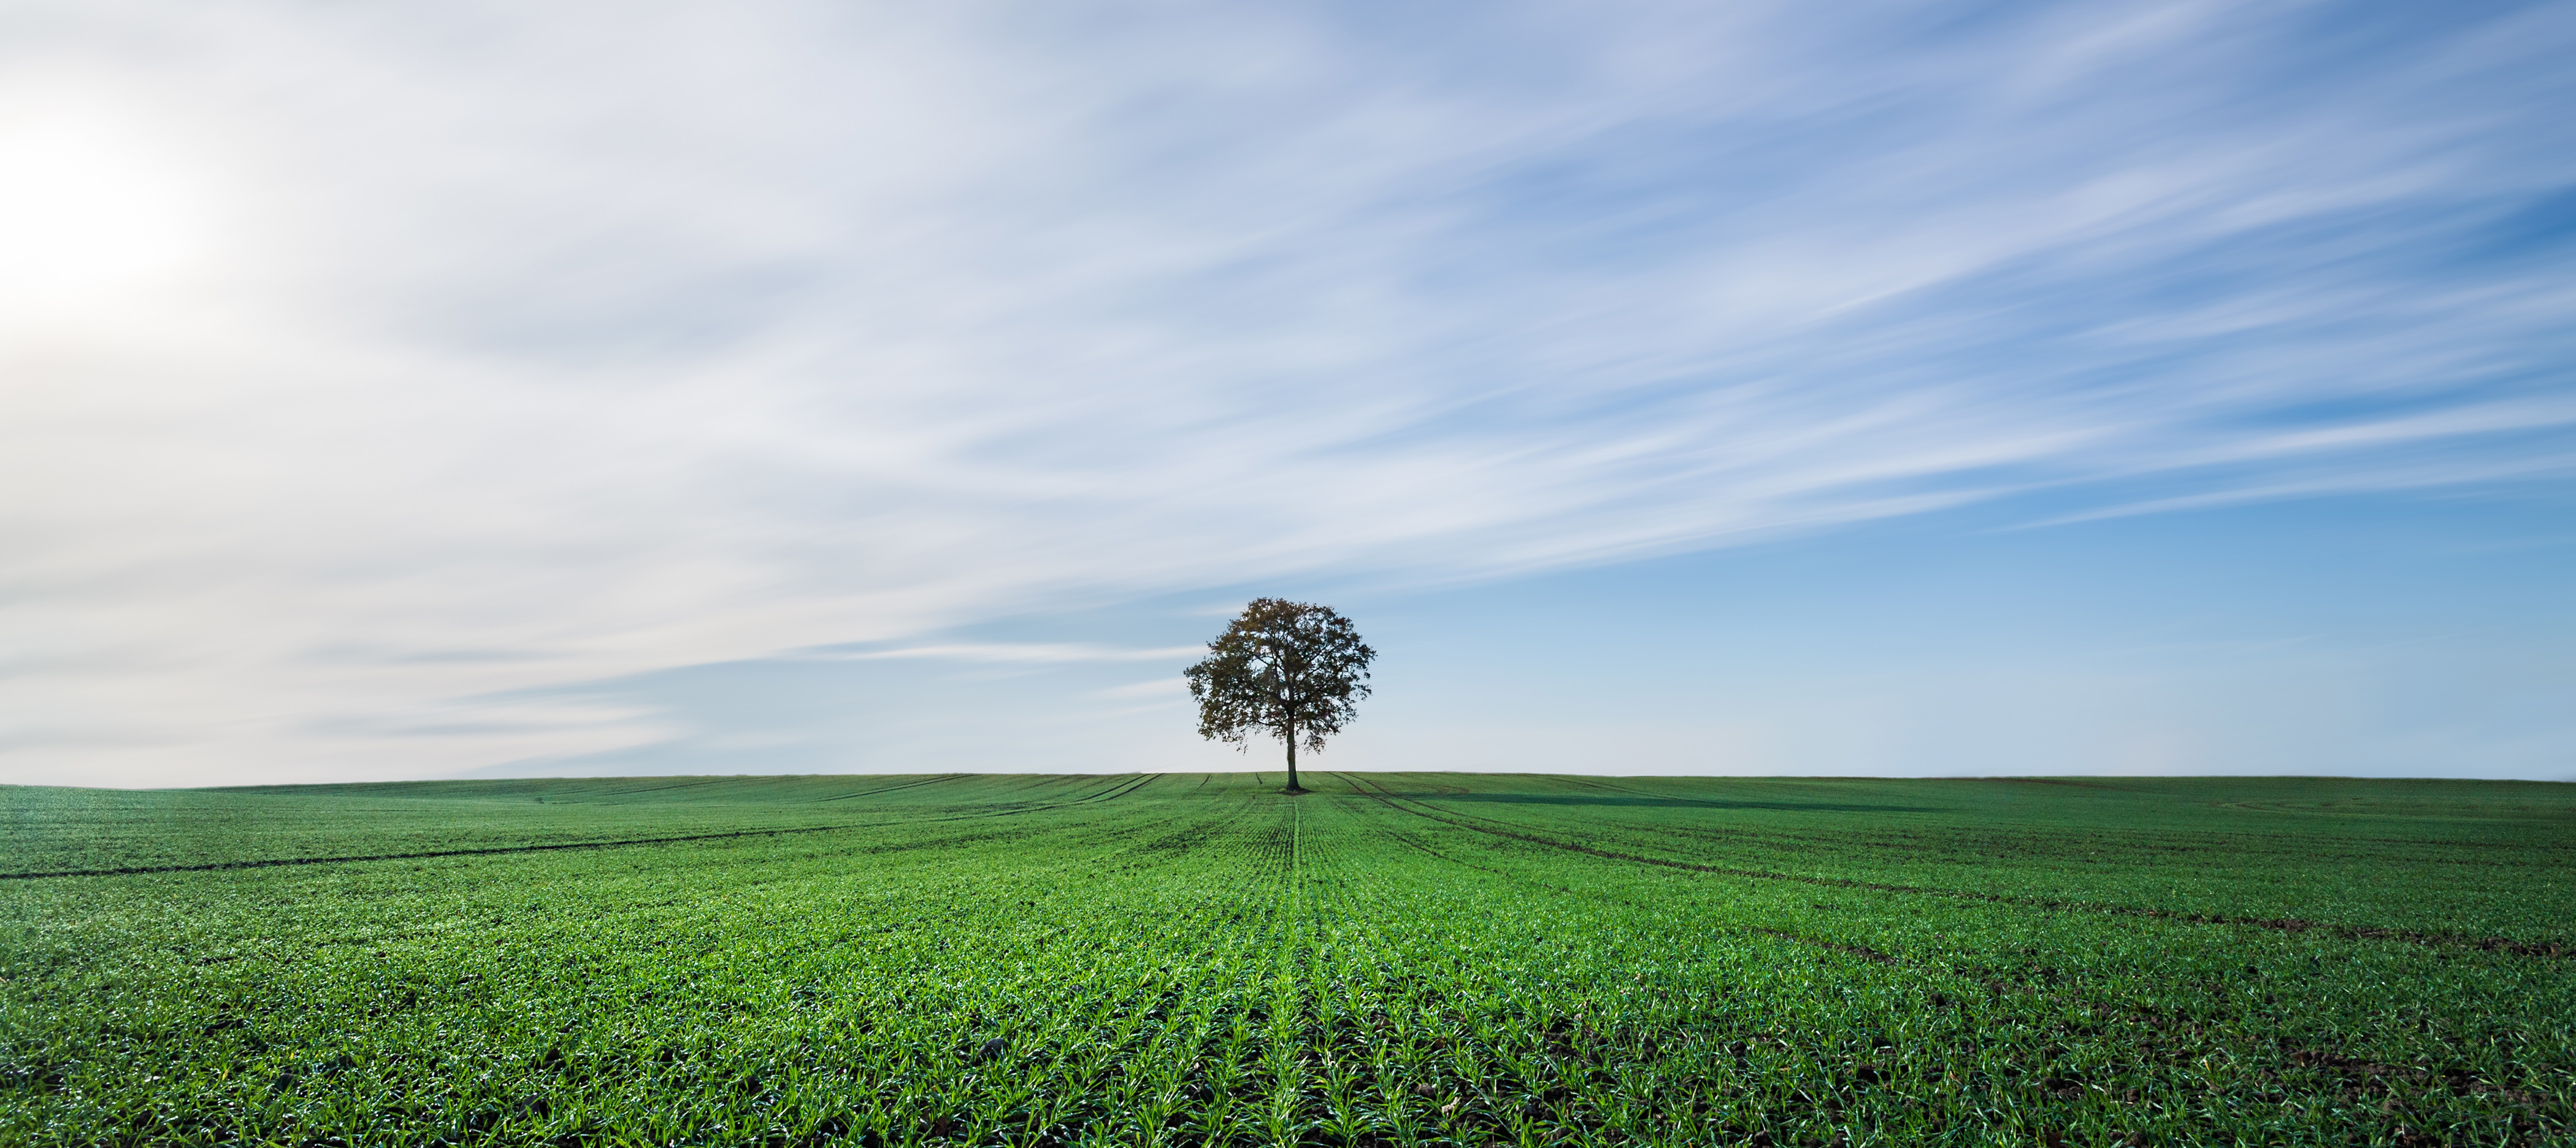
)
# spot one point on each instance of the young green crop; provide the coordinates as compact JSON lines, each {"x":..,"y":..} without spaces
{"x":1392,"y":960}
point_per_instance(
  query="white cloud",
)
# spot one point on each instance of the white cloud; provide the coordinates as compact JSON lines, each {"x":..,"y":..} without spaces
{"x":1033,"y":653}
{"x":525,"y":346}
{"x":1166,"y":689}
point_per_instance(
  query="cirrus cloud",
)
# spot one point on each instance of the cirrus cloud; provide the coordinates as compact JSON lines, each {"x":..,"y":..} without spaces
{"x":522,"y":347}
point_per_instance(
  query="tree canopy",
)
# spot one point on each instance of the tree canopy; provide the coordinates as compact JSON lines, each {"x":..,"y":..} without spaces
{"x":1292,"y":670}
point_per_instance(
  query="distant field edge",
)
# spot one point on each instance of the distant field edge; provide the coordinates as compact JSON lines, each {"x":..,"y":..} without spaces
{"x":679,"y":781}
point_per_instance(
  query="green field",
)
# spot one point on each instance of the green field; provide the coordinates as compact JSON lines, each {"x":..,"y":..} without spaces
{"x":1394,"y":959}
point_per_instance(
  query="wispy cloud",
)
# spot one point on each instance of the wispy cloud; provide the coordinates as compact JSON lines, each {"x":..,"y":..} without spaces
{"x":617,"y":337}
{"x":1029,"y":653}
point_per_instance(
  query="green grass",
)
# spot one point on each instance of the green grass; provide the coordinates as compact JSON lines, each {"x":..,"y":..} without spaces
{"x":1392,"y":960}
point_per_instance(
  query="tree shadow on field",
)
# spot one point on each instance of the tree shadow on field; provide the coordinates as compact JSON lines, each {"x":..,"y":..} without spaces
{"x":1671,"y":802}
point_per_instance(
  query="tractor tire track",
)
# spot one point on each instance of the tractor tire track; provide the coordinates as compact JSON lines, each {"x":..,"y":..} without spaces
{"x":2357,"y":1075}
{"x":891,"y":788}
{"x":1844,"y":947}
{"x":548,"y":847}
{"x":2286,"y":925}
{"x":1142,"y":780}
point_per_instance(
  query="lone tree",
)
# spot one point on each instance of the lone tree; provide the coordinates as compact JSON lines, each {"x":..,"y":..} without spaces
{"x":1288,"y":669}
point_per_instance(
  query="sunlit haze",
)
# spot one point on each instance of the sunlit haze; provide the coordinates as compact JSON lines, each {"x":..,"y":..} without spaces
{"x":473,"y":389}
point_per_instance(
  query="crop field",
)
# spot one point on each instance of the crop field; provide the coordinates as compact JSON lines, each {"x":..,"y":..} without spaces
{"x":1394,"y":959}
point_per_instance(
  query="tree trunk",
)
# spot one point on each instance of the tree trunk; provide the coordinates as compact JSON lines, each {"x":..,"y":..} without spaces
{"x":1292,"y":759}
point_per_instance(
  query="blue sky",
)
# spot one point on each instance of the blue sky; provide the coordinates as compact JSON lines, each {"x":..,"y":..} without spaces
{"x":426,"y":390}
{"x":2357,"y":637}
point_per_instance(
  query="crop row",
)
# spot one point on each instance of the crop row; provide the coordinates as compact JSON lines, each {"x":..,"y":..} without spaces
{"x":1186,"y":961}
